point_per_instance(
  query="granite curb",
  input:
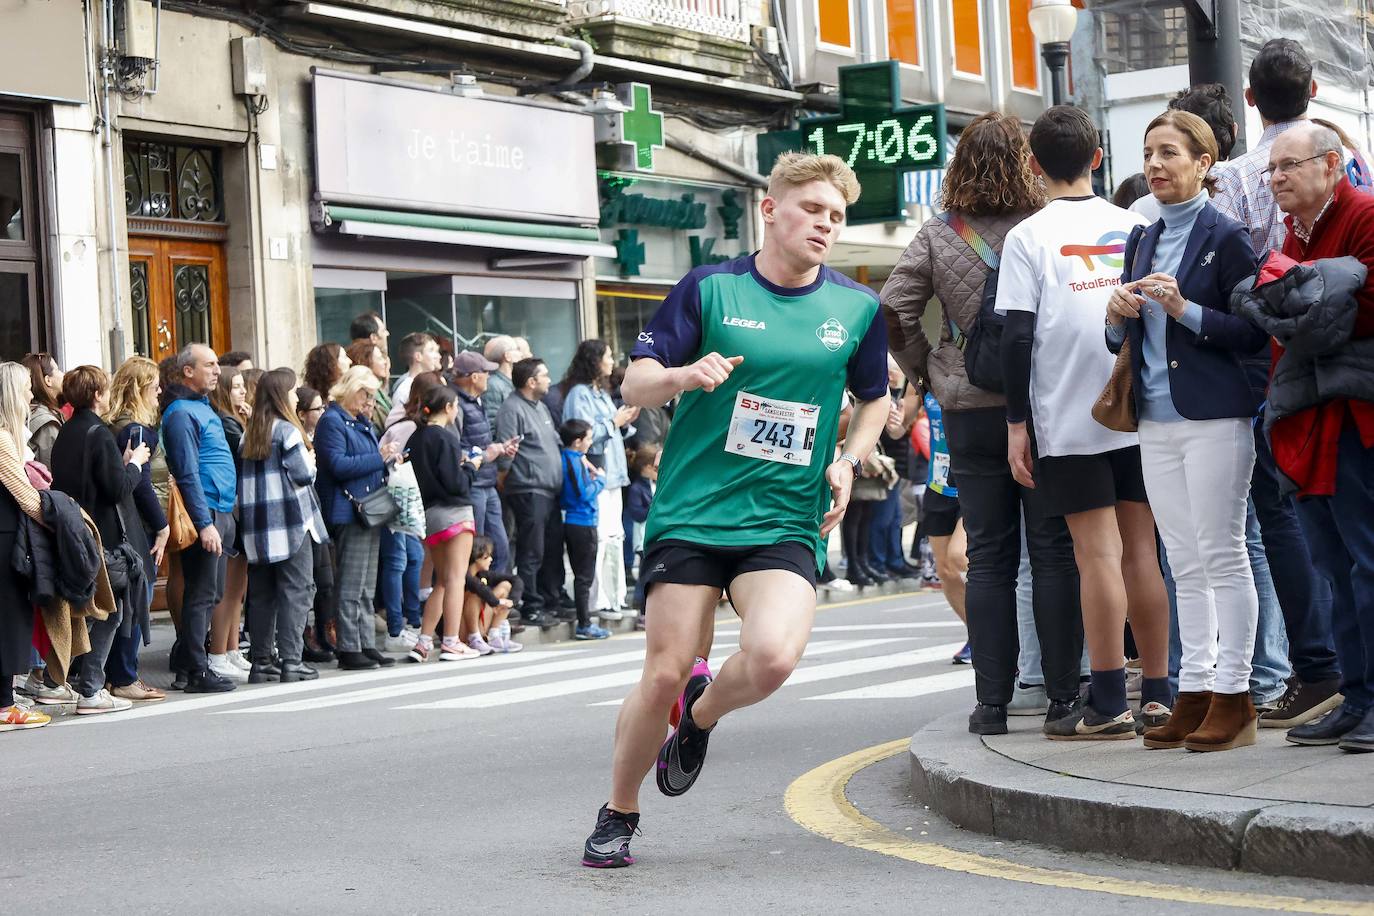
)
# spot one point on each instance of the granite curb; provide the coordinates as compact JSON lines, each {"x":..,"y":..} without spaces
{"x":976,"y":788}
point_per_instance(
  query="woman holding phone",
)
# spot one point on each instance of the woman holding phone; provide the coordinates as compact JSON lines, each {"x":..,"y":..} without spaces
{"x":133,"y":418}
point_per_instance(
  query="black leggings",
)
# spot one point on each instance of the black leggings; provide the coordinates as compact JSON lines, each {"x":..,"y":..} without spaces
{"x":854,"y":532}
{"x":993,"y":505}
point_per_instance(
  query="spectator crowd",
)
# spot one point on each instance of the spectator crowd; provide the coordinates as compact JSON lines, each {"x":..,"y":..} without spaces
{"x":1141,"y":453}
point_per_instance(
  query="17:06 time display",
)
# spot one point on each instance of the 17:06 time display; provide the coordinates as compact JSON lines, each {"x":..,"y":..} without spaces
{"x":896,"y":140}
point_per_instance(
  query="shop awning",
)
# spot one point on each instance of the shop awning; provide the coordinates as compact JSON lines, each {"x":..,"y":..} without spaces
{"x":506,"y":235}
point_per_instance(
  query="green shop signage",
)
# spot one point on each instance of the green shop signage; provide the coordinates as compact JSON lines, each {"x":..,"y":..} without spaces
{"x":636,"y":131}
{"x":879,"y":137}
{"x":661,"y":229}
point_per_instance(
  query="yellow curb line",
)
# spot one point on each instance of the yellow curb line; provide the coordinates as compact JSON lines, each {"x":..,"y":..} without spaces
{"x":817,"y":802}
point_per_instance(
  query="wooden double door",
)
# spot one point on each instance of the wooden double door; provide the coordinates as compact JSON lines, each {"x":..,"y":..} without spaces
{"x":179,"y":293}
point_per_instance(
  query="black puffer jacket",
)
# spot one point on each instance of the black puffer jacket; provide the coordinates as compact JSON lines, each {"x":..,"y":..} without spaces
{"x":77,"y":553}
{"x":1310,"y":310}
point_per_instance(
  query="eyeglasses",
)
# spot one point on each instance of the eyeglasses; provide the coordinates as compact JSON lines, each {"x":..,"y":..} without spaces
{"x":1289,"y":165}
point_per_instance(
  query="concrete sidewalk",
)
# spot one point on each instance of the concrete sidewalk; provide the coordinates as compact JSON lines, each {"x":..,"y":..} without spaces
{"x":1274,"y":808}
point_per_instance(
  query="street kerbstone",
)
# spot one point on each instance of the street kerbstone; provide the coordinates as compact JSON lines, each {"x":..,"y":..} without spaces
{"x":964,"y":780}
{"x":1312,"y":842}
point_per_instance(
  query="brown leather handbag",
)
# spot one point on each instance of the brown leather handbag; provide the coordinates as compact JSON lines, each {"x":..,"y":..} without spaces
{"x":182,"y":531}
{"x":1115,"y":407}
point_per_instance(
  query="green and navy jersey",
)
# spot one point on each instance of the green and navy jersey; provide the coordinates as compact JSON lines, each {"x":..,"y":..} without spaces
{"x":804,"y":345}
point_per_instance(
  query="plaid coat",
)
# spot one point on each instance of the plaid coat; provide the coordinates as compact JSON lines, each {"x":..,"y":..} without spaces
{"x":278,"y":507}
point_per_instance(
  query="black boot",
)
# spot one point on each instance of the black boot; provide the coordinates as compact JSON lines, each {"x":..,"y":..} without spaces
{"x":296,"y":671}
{"x":988,"y":720}
{"x":383,"y":661}
{"x":356,"y":661}
{"x":263,"y":670}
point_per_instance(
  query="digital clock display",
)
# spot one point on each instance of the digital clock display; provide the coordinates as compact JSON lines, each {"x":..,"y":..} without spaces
{"x":903,"y":139}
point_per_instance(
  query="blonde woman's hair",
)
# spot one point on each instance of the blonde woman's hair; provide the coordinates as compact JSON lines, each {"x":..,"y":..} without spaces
{"x":14,"y":404}
{"x":129,"y":395}
{"x":1200,"y":137}
{"x":351,"y":381}
{"x":795,"y":169}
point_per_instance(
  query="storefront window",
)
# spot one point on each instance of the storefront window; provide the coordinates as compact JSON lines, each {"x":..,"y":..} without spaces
{"x":469,"y":321}
{"x":621,"y":315}
{"x":335,"y":310}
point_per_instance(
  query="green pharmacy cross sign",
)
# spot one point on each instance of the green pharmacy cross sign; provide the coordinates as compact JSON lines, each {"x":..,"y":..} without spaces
{"x":638,"y":131}
{"x":878,"y":137}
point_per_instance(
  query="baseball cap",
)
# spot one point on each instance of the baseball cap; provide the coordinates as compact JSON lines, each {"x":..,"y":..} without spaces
{"x":470,"y":361}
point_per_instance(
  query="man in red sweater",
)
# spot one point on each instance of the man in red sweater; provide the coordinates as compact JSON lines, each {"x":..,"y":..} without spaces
{"x":1328,"y":449}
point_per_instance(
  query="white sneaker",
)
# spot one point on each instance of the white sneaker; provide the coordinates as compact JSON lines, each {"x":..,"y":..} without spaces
{"x":43,"y":695}
{"x":840,"y":585}
{"x":221,"y":665}
{"x":1134,"y":680}
{"x":610,"y":614}
{"x":398,"y":644}
{"x":411,"y":635}
{"x":102,"y":702}
{"x":238,"y":661}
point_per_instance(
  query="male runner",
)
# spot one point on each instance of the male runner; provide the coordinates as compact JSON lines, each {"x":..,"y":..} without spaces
{"x":761,"y":350}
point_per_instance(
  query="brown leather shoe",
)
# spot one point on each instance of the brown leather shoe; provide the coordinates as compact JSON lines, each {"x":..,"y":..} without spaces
{"x":1231,"y":722}
{"x":1190,"y":709}
{"x":139,"y":692}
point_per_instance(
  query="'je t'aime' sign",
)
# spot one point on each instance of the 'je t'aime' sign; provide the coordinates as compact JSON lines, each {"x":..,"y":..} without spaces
{"x":381,"y":144}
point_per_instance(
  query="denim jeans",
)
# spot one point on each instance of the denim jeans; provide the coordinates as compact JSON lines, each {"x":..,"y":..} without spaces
{"x":1340,"y":530}
{"x":488,"y":517}
{"x":1304,"y":596}
{"x":993,"y":506}
{"x":399,"y":579}
{"x":1269,"y":670}
{"x":885,"y":536}
{"x":1028,"y":659}
{"x":1269,"y":666}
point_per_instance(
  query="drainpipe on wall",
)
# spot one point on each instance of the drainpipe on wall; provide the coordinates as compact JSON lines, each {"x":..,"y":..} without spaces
{"x":584,"y":64}
{"x":107,"y":143}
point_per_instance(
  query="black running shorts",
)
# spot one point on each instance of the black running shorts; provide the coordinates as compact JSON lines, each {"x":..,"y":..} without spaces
{"x":939,"y":515}
{"x":685,"y":563}
{"x":1079,"y":483}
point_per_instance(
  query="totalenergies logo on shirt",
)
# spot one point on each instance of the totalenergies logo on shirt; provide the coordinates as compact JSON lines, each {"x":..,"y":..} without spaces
{"x":1108,"y":251}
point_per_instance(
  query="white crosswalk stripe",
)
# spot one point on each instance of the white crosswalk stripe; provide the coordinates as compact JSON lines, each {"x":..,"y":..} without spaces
{"x":881,"y":661}
{"x":600,"y":682}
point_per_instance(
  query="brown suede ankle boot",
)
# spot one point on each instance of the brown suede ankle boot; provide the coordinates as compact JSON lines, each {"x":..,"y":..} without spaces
{"x":1188,"y":712}
{"x":1230,"y":723}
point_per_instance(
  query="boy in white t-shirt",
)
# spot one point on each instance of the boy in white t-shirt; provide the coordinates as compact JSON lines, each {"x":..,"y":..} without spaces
{"x":1058,"y":269}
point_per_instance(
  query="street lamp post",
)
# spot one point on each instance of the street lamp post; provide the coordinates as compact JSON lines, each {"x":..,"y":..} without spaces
{"x":1053,"y":22}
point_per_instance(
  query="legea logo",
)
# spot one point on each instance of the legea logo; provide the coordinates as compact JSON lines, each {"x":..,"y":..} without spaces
{"x":1108,"y":251}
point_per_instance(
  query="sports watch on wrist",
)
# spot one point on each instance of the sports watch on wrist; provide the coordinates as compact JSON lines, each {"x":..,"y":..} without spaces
{"x":854,"y":462}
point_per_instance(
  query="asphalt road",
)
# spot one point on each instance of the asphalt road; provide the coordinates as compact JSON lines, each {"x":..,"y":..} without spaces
{"x":470,"y":786}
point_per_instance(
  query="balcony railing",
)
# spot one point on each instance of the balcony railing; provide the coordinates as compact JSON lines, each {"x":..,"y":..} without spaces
{"x":719,"y":18}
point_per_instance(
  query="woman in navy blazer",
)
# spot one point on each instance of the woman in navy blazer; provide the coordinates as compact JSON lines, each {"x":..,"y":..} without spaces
{"x":1195,"y":407}
{"x":352,"y":463}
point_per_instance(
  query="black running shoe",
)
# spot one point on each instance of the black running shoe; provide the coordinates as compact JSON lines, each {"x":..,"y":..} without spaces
{"x":609,"y":844}
{"x":681,"y":757}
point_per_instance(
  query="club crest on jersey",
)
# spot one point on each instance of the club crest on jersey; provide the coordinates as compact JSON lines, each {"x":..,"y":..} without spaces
{"x":744,"y":323}
{"x":832,"y":334}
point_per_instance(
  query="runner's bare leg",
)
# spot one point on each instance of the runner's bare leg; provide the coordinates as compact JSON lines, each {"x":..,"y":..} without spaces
{"x":778,"y":608}
{"x":675,"y":616}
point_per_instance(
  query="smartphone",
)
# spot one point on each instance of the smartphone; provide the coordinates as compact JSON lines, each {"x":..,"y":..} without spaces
{"x":137,"y":438}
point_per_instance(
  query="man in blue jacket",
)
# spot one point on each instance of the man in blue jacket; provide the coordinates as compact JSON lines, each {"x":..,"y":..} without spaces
{"x":199,"y":460}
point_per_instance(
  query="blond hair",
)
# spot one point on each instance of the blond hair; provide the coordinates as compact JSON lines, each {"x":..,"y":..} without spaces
{"x":1199,"y":136}
{"x":795,"y":169}
{"x":14,"y":404}
{"x":351,"y":381}
{"x":129,"y":392}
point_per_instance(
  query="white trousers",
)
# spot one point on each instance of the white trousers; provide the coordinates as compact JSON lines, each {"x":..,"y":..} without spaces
{"x":609,"y":587}
{"x":1197,"y":474}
